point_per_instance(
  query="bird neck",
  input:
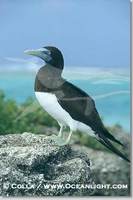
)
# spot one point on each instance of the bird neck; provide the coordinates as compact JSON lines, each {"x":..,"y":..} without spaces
{"x":48,"y":79}
{"x":52,"y":71}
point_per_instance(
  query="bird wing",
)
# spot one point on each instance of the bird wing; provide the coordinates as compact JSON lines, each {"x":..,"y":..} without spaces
{"x":82,"y":108}
{"x":79,"y":105}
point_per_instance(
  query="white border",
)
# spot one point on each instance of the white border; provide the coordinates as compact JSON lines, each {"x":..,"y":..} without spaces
{"x":102,"y":197}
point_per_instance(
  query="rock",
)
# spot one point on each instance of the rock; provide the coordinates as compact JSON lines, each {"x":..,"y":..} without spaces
{"x":30,"y":163}
{"x":107,"y":168}
{"x":124,"y":137}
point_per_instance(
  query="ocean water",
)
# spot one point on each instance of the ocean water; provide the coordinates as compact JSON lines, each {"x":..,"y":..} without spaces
{"x":111,"y":90}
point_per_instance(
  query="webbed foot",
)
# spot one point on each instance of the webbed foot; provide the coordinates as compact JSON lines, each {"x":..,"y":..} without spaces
{"x":58,"y":140}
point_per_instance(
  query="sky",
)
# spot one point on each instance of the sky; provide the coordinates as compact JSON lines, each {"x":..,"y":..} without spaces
{"x":92,"y":33}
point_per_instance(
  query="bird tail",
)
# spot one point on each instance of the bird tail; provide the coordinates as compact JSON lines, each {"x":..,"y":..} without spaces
{"x":103,"y":140}
{"x":111,"y":137}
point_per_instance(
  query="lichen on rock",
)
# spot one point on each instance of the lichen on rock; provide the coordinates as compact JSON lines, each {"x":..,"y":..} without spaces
{"x":29,"y":162}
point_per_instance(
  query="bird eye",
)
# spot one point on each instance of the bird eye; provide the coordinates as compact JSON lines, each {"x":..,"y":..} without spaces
{"x":49,"y":53}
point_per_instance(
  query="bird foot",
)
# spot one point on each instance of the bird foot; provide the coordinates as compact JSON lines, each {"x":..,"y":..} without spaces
{"x":58,"y":140}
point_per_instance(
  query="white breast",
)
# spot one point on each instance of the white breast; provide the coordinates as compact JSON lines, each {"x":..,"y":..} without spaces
{"x":50,"y":104}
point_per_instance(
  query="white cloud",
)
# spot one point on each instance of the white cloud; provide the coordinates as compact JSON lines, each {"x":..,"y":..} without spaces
{"x":20,"y":64}
{"x":12,"y":59}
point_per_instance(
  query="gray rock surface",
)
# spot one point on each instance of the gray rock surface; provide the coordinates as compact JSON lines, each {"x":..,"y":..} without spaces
{"x":108,"y":168}
{"x":28,"y":162}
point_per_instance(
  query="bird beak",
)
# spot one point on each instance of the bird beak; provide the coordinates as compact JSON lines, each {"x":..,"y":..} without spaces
{"x":31,"y":52}
{"x":43,"y":53}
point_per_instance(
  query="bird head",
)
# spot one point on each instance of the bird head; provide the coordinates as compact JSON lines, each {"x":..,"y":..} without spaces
{"x":51,"y":55}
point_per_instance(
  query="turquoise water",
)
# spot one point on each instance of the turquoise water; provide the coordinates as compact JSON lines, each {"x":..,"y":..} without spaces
{"x":110,"y":91}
